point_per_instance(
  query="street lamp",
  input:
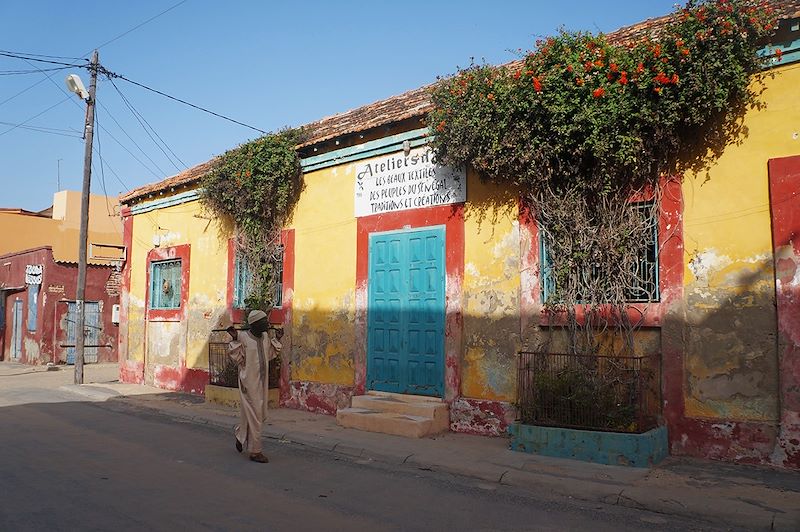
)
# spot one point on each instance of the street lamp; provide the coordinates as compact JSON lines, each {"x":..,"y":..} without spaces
{"x":74,"y":84}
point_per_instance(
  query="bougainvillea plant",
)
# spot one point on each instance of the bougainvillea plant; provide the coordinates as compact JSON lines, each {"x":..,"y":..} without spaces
{"x":582,"y":124}
{"x":256,"y":186}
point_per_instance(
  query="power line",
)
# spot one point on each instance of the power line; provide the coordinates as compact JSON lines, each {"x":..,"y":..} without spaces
{"x":50,"y":130}
{"x":69,"y":96}
{"x":22,"y":72}
{"x":47,"y":56}
{"x":23,"y":91}
{"x":108,"y":112}
{"x":112,"y":75}
{"x":121,"y":35}
{"x":34,"y":116}
{"x":140,"y":118}
{"x":19,"y":56}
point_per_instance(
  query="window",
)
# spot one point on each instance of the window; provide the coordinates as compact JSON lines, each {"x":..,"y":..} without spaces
{"x":645,"y":289}
{"x":33,"y":306}
{"x":242,"y":280}
{"x":165,"y":284}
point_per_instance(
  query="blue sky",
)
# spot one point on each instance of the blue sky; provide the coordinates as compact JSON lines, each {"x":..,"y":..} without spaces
{"x":269,"y":64}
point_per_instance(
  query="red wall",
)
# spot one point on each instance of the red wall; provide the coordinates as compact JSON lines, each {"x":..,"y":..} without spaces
{"x":59,"y":285}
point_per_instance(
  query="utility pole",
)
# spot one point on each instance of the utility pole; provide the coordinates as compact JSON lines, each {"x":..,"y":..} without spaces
{"x":80,"y":337}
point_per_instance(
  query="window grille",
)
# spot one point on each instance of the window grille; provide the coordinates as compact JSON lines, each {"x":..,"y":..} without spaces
{"x":242,"y":280}
{"x":165,"y":284}
{"x":645,"y":288}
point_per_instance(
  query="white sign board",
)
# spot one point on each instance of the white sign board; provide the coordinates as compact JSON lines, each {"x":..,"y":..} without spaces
{"x":400,"y":182}
{"x":33,"y":274}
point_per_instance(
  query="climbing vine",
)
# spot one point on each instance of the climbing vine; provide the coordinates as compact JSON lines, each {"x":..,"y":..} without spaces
{"x":582,"y":125}
{"x":256,"y":186}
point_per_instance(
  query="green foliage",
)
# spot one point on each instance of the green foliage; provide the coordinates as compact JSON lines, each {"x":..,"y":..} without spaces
{"x":582,"y":125}
{"x":256,"y":185}
{"x":581,"y":111}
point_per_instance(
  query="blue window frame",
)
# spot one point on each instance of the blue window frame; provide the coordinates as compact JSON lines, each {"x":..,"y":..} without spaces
{"x":165,"y":284}
{"x":242,"y":280}
{"x":645,"y":289}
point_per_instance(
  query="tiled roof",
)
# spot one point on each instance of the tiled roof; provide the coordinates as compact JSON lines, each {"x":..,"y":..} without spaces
{"x":407,"y":105}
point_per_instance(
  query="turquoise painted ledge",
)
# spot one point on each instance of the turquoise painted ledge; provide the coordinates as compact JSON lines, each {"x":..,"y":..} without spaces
{"x":610,"y":448}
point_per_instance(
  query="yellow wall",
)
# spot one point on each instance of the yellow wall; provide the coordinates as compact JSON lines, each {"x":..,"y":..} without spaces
{"x":208,"y":274}
{"x":323,"y":308}
{"x":61,"y":232}
{"x":730,"y":362}
{"x":490,"y":292}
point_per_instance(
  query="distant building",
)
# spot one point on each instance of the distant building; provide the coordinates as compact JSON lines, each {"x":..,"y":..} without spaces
{"x":38,"y":281}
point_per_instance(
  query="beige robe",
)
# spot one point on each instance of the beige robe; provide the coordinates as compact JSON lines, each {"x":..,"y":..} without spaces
{"x":253,"y":384}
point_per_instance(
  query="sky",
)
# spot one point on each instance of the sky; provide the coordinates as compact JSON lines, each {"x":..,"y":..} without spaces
{"x":268,"y":64}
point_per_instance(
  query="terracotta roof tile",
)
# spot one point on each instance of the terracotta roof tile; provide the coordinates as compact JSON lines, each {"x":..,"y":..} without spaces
{"x":409,"y":104}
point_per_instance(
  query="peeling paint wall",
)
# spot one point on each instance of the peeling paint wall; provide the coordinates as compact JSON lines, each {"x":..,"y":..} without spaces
{"x":323,"y":305}
{"x":490,"y":292}
{"x":168,"y":350}
{"x":726,"y":402}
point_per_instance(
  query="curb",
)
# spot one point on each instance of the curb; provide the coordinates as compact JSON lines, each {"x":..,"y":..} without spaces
{"x":91,"y":391}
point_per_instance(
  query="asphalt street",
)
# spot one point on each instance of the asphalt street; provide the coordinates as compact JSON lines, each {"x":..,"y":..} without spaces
{"x":69,"y":464}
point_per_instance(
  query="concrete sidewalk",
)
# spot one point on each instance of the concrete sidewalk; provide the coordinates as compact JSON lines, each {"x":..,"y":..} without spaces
{"x":739,"y":496}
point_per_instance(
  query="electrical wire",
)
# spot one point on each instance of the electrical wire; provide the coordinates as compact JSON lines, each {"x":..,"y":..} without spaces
{"x":43,"y":55}
{"x":51,"y":131}
{"x":23,"y":91}
{"x":140,"y":118}
{"x":121,"y":35}
{"x":108,"y":112}
{"x":113,"y":75}
{"x":34,"y":116}
{"x":69,"y":96}
{"x":23,"y":72}
{"x":19,"y":56}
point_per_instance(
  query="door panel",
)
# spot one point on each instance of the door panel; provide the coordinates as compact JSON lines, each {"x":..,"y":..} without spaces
{"x":405,"y":340}
{"x":16,"y":331}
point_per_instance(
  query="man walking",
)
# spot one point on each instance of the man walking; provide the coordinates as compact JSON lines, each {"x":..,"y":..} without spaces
{"x":252,"y":350}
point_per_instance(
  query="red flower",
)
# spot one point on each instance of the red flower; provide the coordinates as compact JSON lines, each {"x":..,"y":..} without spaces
{"x":613,"y":67}
{"x":490,"y":96}
{"x":640,"y":68}
{"x":779,"y":54}
{"x":569,"y":68}
{"x":440,"y":126}
{"x":657,"y":50}
{"x":598,"y":64}
{"x":674,"y":79}
{"x":517,"y":74}
{"x":598,"y":92}
{"x":685,"y":51}
{"x":657,"y":90}
{"x":623,"y":78}
{"x":537,"y":84}
{"x":609,"y":76}
{"x":662,"y":78}
{"x":587,"y":66}
{"x":579,"y":82}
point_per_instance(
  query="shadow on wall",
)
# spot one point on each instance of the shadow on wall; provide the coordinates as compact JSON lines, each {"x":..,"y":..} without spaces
{"x":720,"y":364}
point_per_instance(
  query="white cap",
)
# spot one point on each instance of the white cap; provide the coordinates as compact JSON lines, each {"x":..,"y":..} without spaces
{"x":255,"y":315}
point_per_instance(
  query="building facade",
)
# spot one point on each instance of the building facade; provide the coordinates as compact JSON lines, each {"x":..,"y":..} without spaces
{"x":38,"y":281}
{"x":405,"y":277}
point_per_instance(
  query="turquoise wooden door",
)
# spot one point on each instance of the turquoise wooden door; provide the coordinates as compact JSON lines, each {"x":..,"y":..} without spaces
{"x":405,"y":316}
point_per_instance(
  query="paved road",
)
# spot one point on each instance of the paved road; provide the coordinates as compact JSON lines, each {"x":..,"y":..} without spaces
{"x":66,"y":464}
